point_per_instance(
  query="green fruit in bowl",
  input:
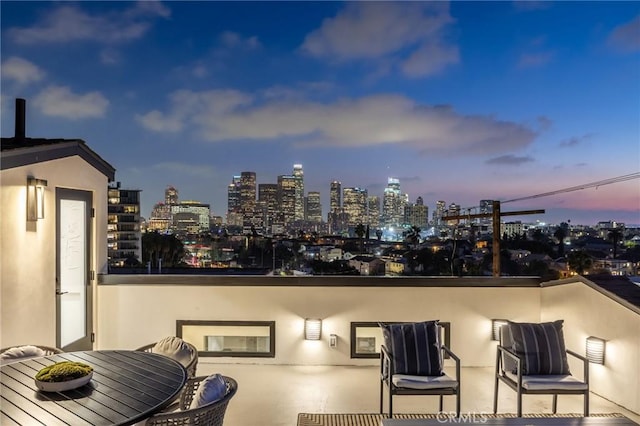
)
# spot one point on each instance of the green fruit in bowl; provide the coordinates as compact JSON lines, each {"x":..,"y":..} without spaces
{"x":63,"y":371}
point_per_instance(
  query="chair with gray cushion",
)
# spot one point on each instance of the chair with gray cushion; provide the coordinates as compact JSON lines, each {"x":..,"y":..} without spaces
{"x":22,"y":352}
{"x":200,"y":404}
{"x":178,"y":349}
{"x":411,"y":363}
{"x":531,"y":359}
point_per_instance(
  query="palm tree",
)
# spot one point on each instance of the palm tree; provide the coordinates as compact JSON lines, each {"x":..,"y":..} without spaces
{"x":561,"y":234}
{"x":360,"y":231}
{"x":413,"y":236}
{"x":614,"y":236}
{"x":579,"y":261}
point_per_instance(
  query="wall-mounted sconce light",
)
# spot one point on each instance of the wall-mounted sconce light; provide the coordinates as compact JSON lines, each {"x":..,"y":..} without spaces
{"x":595,"y":350}
{"x":35,"y":198}
{"x":312,"y":329}
{"x":495,"y":328}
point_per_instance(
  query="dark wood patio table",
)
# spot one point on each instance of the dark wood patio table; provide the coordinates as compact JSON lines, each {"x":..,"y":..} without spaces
{"x":126,"y":387}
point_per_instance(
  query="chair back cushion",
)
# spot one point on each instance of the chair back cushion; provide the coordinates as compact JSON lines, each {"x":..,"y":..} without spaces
{"x":212,"y":388}
{"x":20,"y":353}
{"x":415,"y":347}
{"x":174,"y":347}
{"x":542,"y":347}
{"x":508,"y":363}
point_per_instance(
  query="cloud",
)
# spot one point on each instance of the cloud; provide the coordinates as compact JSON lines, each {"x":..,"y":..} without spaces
{"x":69,"y":23}
{"x":534,"y":60}
{"x":222,"y":115}
{"x":510,"y":160}
{"x":185,"y":169}
{"x":575,"y":140}
{"x":110,"y":56}
{"x":412,"y":33}
{"x":59,"y":101}
{"x":626,"y":37}
{"x":21,"y":71}
{"x":235,"y":40}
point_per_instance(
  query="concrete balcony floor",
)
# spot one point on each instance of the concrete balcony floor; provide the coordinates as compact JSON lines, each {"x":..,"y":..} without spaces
{"x":273,"y":395}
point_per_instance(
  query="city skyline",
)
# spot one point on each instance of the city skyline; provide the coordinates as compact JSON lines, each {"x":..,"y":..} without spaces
{"x":460,"y":101}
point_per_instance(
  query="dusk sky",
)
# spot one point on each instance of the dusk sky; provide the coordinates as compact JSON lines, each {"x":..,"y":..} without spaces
{"x":460,"y":101}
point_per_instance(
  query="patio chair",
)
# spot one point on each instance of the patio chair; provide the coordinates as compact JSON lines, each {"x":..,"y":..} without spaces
{"x":22,"y":352}
{"x":411,"y":363}
{"x":178,"y":349}
{"x":531,"y":359}
{"x":210,"y":413}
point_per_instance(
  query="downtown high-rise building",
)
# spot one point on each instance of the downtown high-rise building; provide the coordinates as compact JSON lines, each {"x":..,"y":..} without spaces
{"x":287,"y":199}
{"x":486,"y":207}
{"x":373,"y":211}
{"x":393,"y":202}
{"x":248,"y":198}
{"x":298,"y":175}
{"x":171,"y":196}
{"x":124,"y":243}
{"x":354,"y":204}
{"x":441,"y":209}
{"x":335,"y":197}
{"x":234,"y":208}
{"x":313,"y":210}
{"x":268,"y":203}
{"x":417,"y":214}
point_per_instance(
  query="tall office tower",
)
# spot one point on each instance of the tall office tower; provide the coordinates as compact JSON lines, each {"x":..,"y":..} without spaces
{"x":441,"y":208}
{"x":453,"y":210}
{"x":298,"y":174}
{"x":287,"y":198}
{"x":417,"y":214}
{"x":486,"y":207}
{"x":268,"y":202}
{"x":373,"y":211}
{"x":313,"y":207}
{"x":247,"y":194}
{"x":354,"y":204}
{"x":335,"y":197}
{"x":234,"y":212}
{"x":170,"y":196}
{"x":392,"y":203}
{"x":124,"y":240}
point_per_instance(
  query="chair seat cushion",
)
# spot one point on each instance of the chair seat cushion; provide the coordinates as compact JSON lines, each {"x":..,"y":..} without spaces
{"x":423,"y":382}
{"x":174,"y":347}
{"x":211,"y":389}
{"x":19,"y":353}
{"x":550,"y":382}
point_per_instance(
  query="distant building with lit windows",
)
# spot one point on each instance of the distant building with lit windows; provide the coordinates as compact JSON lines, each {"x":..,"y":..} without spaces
{"x":124,"y":242}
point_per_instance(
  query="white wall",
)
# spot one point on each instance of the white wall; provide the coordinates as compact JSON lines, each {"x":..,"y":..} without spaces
{"x":28,"y":249}
{"x":130,"y":316}
{"x":588,"y":312}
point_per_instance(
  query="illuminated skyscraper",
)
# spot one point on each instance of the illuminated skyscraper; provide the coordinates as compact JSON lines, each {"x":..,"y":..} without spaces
{"x":123,"y":225}
{"x":417,"y":214}
{"x":441,"y":208}
{"x":354,"y":204}
{"x":314,"y":207}
{"x":335,"y":197}
{"x":170,"y":196}
{"x":373,"y":211}
{"x":287,"y":198}
{"x":392,"y":203}
{"x":298,"y":174}
{"x":486,"y":207}
{"x":247,"y":194}
{"x":234,"y":210}
{"x":268,"y":202}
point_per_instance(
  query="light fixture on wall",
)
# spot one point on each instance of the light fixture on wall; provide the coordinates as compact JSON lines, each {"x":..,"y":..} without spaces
{"x":595,"y":350}
{"x":495,"y":328}
{"x":312,"y":329}
{"x":35,"y":198}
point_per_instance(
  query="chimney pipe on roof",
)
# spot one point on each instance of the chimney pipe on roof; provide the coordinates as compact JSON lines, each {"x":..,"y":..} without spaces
{"x":20,"y":129}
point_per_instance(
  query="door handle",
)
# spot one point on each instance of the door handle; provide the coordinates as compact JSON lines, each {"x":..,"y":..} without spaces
{"x":58,"y":292}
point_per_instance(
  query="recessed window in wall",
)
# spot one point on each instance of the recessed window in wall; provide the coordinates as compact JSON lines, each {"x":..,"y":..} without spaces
{"x":230,"y":338}
{"x":366,"y":338}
